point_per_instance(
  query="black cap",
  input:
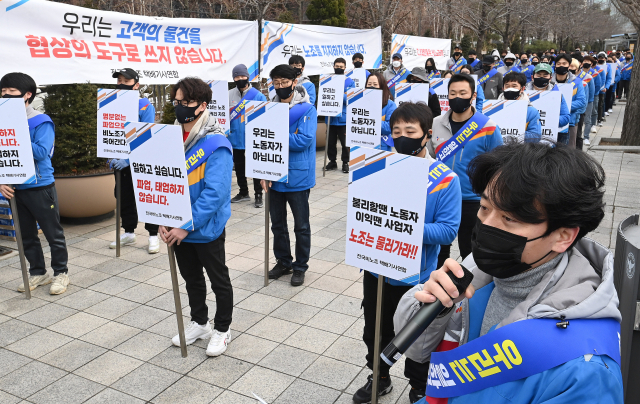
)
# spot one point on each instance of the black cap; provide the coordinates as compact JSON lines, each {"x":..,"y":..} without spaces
{"x":127,"y":73}
{"x":488,"y":59}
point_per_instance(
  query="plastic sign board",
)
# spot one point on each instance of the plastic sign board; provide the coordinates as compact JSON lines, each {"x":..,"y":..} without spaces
{"x":566,"y":89}
{"x":548,"y":105}
{"x":16,"y":155}
{"x":359,"y":77}
{"x":159,"y":174}
{"x":115,"y":108}
{"x":408,"y":92}
{"x":385,"y":213}
{"x":364,"y":116}
{"x":331,"y":94}
{"x":267,"y":140}
{"x":510,"y":116}
{"x":219,"y":105}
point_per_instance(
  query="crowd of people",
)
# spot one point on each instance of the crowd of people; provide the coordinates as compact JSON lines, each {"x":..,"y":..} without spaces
{"x":506,"y":205}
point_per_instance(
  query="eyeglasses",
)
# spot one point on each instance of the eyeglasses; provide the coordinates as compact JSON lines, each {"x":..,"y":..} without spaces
{"x":184,"y":103}
{"x":282,"y":83}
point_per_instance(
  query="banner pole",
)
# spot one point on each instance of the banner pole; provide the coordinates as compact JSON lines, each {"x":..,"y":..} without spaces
{"x":376,"y":343}
{"x":326,"y":145}
{"x":23,"y":263}
{"x":118,"y":201}
{"x":266,"y":238}
{"x":176,"y":299}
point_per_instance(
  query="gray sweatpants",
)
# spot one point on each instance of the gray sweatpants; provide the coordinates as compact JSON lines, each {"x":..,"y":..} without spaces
{"x":40,"y":206}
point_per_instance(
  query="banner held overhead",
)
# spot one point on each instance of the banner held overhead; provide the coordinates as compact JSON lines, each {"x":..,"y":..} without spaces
{"x":320,"y":45}
{"x":58,"y":43}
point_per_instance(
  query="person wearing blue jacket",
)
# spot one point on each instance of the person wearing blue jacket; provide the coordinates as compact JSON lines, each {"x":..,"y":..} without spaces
{"x":514,"y":86}
{"x":589,"y":90}
{"x":297,"y":62}
{"x":611,"y":86}
{"x":210,"y":195}
{"x":338,"y":127}
{"x":238,"y":98}
{"x":542,"y":82}
{"x":37,"y":202}
{"x":578,"y":100}
{"x":411,"y":129}
{"x":625,"y":75}
{"x":484,"y":138}
{"x":377,"y":81}
{"x":128,"y":79}
{"x":303,"y":123}
{"x":605,"y":77}
{"x":539,"y":322}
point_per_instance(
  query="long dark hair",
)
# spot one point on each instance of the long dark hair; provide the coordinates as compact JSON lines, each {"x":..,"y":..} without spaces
{"x":386,"y":94}
{"x":433,"y":63}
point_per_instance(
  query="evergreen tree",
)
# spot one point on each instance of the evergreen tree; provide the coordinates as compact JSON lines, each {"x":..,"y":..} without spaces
{"x":327,"y":12}
{"x":465,"y":45}
{"x":168,"y":114}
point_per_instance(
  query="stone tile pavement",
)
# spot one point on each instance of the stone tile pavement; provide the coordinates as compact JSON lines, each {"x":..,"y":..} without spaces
{"x":107,"y":339}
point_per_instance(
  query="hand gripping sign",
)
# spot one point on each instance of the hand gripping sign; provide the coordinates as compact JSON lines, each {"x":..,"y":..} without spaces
{"x":115,"y":108}
{"x":510,"y":116}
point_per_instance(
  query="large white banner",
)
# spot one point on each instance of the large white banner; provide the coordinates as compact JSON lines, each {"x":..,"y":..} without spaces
{"x":415,"y":50}
{"x":219,"y":105}
{"x":57,"y":43}
{"x":408,"y":92}
{"x":385,"y":213}
{"x":319,"y":45}
{"x":16,"y":156}
{"x":159,"y":175}
{"x":567,"y":92}
{"x":331,"y":94}
{"x":364,"y":115}
{"x":548,"y":105}
{"x":510,"y":116}
{"x":116,"y":108}
{"x":267,"y":140}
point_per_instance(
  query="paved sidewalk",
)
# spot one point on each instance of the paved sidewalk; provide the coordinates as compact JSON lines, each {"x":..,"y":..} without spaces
{"x":107,"y":339}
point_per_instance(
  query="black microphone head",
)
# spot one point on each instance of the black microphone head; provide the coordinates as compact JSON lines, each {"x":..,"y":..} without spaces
{"x":461,"y":283}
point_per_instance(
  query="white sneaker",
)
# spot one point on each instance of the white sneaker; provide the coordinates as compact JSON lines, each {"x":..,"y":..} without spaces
{"x":606,"y":113}
{"x":586,"y":142}
{"x":218,"y":343}
{"x":193,"y":333}
{"x":35,"y":281}
{"x":125,"y":239}
{"x":154,"y":245}
{"x":59,"y":285}
{"x":610,"y":110}
{"x":594,"y":129}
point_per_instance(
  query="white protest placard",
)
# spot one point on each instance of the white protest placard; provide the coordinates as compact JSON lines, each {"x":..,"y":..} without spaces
{"x":319,"y":45}
{"x":364,"y":115}
{"x":385,"y":213}
{"x":219,"y":105}
{"x":90,"y":44}
{"x":359,"y":77}
{"x":16,"y":156}
{"x":412,"y":92}
{"x":441,"y":88}
{"x":415,"y":50}
{"x":272,"y":89}
{"x":548,"y":105}
{"x":331,"y":94}
{"x":115,"y":108}
{"x":510,"y":116}
{"x":267,"y":140}
{"x":614,"y":68}
{"x":159,"y":174}
{"x":566,"y":89}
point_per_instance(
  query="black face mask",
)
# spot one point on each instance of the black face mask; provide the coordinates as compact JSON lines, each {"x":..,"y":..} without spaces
{"x":535,"y":63}
{"x":628,"y":59}
{"x":13,"y":96}
{"x":241,"y":84}
{"x":457,"y":54}
{"x":429,"y":68}
{"x":284,"y":92}
{"x":338,"y":71}
{"x":409,"y":146}
{"x":508,"y":63}
{"x":562,"y":70}
{"x":459,"y":105}
{"x":573,"y":71}
{"x":185,"y":114}
{"x":601,"y":62}
{"x":124,"y":87}
{"x":511,"y":95}
{"x":486,"y":68}
{"x":499,"y":253}
{"x":357,"y":65}
{"x":586,"y":65}
{"x":298,"y":71}
{"x":524,"y":61}
{"x":541,"y":82}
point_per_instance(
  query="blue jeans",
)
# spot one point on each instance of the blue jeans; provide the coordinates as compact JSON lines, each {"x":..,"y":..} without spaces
{"x":299,"y":204}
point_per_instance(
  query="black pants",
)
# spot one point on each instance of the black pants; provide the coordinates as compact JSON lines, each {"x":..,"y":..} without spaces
{"x":467,"y":223}
{"x":128,"y":210}
{"x":600,"y":106}
{"x":239,"y":163}
{"x":623,"y":86}
{"x":191,"y":258}
{"x":609,"y":98}
{"x":40,"y":206}
{"x":416,"y":372}
{"x":579,"y":138}
{"x":335,"y":133}
{"x":299,"y":203}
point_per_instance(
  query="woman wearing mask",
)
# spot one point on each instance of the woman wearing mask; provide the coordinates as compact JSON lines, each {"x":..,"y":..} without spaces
{"x":430,"y":67}
{"x":376,"y":81}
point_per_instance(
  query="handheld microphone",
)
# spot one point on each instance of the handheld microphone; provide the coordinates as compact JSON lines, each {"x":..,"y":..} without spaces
{"x":418,"y":323}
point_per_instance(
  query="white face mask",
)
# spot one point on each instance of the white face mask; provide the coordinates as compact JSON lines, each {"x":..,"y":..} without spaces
{"x":396,"y":63}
